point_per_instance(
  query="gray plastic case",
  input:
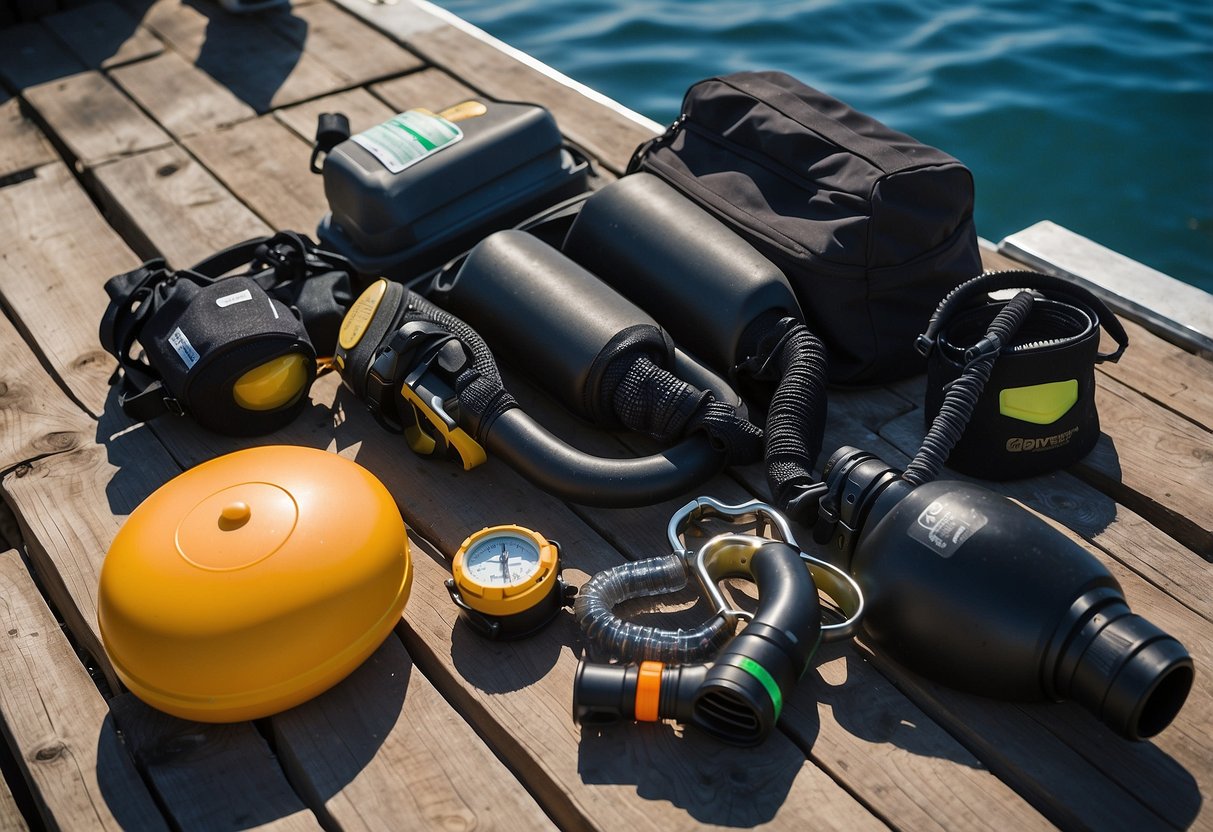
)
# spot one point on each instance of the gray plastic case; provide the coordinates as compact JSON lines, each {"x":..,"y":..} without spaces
{"x":510,"y":163}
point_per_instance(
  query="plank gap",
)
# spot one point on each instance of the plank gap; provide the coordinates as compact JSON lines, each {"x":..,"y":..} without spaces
{"x":19,"y":790}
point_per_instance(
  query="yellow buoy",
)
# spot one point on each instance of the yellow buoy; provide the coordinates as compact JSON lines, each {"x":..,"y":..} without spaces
{"x":253,"y":582}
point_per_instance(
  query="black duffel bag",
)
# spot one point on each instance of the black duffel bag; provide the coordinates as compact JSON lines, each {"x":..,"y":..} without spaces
{"x":871,"y":227}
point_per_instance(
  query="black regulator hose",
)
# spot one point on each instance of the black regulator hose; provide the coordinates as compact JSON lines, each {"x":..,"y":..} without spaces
{"x":555,"y":466}
{"x":962,"y":394}
{"x":738,"y":697}
{"x":795,"y":425}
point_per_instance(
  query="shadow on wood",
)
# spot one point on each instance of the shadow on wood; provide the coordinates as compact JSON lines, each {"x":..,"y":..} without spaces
{"x":626,"y":753}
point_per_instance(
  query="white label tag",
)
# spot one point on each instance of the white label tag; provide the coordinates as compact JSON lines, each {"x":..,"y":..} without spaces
{"x":945,"y":525}
{"x":184,"y":348}
{"x":407,"y":138}
{"x":235,"y":297}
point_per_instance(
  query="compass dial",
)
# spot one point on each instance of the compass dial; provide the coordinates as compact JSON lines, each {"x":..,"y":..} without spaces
{"x":502,"y":559}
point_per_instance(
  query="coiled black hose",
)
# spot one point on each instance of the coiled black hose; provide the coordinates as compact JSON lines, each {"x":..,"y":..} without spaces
{"x":962,"y":394}
{"x":795,"y":426}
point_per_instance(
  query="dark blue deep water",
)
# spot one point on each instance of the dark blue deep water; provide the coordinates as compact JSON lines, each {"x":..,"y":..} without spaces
{"x":1096,"y":114}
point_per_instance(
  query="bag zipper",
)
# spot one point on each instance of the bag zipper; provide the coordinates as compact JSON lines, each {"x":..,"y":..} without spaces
{"x":746,"y":220}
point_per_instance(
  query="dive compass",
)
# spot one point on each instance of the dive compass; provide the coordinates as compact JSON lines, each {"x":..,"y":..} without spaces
{"x":506,"y":582}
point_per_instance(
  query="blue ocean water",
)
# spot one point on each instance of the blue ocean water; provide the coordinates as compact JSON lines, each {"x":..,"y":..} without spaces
{"x":1096,"y":114}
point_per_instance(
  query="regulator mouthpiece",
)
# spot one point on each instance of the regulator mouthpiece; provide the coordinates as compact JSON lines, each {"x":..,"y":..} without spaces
{"x":737,"y":699}
{"x":1125,"y":670}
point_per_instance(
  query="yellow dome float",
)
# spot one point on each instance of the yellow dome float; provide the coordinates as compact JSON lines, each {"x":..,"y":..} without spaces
{"x":252,"y":583}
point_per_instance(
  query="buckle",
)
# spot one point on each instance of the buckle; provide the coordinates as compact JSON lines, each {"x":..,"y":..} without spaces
{"x":421,"y":361}
{"x":726,"y":554}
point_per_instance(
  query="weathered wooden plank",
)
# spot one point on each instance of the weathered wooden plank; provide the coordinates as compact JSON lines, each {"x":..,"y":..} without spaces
{"x":103,"y":35}
{"x":260,"y":67}
{"x":183,"y":99}
{"x":58,"y":723}
{"x":359,"y":106}
{"x":71,"y":505}
{"x":384,"y":750}
{"x":164,"y":202}
{"x":608,"y":132}
{"x":36,"y":419}
{"x":1177,"y":380}
{"x":92,"y":119}
{"x":1156,"y":463}
{"x":266,"y":166}
{"x":1180,"y":313}
{"x":430,"y":88}
{"x":210,"y":776}
{"x":57,"y":251}
{"x":1063,"y":783}
{"x":25,"y":146}
{"x":353,"y":50}
{"x":31,"y":55}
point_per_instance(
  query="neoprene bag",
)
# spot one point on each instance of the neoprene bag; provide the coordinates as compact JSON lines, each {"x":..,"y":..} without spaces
{"x":870,"y":226}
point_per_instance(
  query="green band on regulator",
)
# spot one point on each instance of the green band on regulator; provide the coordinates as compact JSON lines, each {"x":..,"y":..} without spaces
{"x":760,"y":673}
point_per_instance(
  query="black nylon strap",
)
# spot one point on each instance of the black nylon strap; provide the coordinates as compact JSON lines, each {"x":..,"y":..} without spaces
{"x":281,"y":264}
{"x":133,"y":300}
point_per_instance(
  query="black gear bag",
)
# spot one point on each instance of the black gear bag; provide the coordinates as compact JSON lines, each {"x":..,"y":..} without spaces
{"x":870,"y":226}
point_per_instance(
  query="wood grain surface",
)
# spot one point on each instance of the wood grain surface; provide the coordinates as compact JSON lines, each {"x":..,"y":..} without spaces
{"x":258,"y":58}
{"x":56,"y":251}
{"x":92,"y":119}
{"x":25,"y":146}
{"x":210,"y":776}
{"x":36,"y":418}
{"x":165,"y":203}
{"x":58,"y":724}
{"x":183,"y":99}
{"x":103,"y":34}
{"x":266,"y":166}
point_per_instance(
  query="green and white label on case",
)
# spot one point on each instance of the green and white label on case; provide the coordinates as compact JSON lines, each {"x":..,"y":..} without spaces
{"x":407,"y":138}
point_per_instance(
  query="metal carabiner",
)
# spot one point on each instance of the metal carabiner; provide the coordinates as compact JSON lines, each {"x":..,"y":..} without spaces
{"x":721,"y":556}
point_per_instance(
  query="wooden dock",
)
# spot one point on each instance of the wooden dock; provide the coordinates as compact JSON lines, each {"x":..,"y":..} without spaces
{"x":132,"y":128}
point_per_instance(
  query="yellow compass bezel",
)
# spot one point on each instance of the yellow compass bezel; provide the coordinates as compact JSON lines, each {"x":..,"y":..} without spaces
{"x":513,"y":598}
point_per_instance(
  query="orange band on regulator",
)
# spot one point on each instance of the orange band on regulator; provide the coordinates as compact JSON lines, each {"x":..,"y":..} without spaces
{"x":648,"y":691}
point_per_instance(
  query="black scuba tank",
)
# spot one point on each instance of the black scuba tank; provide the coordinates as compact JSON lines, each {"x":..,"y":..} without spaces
{"x":543,"y":313}
{"x":708,"y":287}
